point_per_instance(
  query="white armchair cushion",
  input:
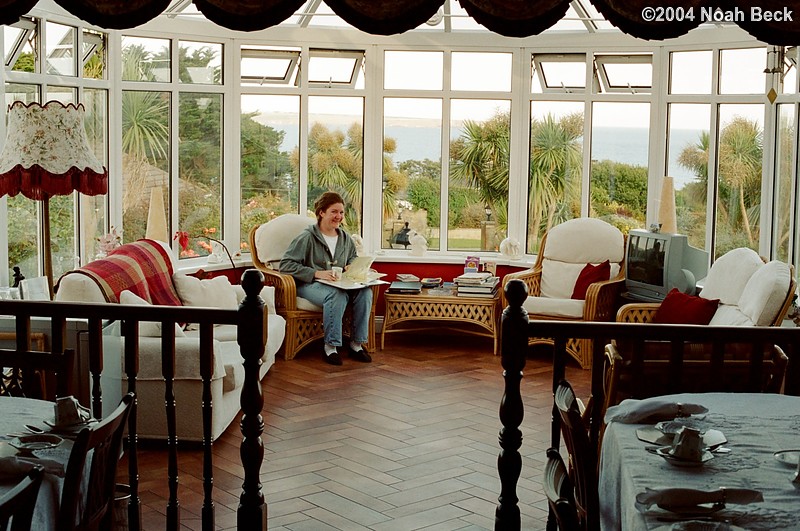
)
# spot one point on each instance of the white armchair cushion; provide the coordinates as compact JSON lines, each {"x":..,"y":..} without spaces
{"x":305,"y":304}
{"x":558,"y":278}
{"x":730,"y":315}
{"x":729,"y":275}
{"x":766,"y":292}
{"x":571,"y":308}
{"x":146,"y":328}
{"x":585,"y":241}
{"x":273,"y":238}
{"x":214,"y":292}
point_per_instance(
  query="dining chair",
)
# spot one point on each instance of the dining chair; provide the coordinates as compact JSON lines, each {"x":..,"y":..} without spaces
{"x":86,"y":502}
{"x":18,"y":503}
{"x":560,"y":491}
{"x":582,"y":457}
{"x":612,"y":363}
{"x":36,"y":374}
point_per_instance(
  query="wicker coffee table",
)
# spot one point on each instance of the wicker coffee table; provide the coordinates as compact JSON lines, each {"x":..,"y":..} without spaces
{"x":434,"y":305}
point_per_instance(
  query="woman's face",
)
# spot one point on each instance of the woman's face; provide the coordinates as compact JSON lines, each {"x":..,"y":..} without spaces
{"x":332,"y":217}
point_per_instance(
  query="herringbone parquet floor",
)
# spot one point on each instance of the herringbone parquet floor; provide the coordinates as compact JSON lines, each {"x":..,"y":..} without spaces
{"x":407,"y":442}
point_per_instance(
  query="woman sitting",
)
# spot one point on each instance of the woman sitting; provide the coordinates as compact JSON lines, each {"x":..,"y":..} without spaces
{"x":310,"y":257}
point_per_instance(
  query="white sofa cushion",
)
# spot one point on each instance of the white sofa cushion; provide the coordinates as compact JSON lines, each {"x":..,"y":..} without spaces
{"x":187,"y":356}
{"x":146,"y":328}
{"x":730,"y":315}
{"x":267,"y":293}
{"x":766,"y":292}
{"x":729,"y":275}
{"x":273,"y":238}
{"x":214,"y":292}
{"x":572,"y":308}
{"x":558,"y":278}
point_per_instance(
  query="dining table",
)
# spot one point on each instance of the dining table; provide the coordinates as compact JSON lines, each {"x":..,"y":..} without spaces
{"x":15,"y":414}
{"x":758,"y":427}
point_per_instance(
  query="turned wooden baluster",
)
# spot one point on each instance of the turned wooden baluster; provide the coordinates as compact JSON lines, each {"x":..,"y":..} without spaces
{"x":251,"y":336}
{"x":130,"y":331}
{"x":514,"y":348}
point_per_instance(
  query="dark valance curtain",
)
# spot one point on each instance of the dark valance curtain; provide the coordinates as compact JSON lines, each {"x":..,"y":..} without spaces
{"x":385,"y":18}
{"x":629,"y":16}
{"x":514,"y":18}
{"x":248,"y":15}
{"x":11,"y":10}
{"x":115,"y":14}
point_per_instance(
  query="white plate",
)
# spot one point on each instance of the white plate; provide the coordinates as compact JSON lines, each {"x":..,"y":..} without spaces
{"x":41,"y":441}
{"x":788,"y":457}
{"x":677,"y":461}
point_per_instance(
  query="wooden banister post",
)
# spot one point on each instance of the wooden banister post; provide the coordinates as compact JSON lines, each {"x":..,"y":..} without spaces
{"x":251,"y":336}
{"x":513,"y":350}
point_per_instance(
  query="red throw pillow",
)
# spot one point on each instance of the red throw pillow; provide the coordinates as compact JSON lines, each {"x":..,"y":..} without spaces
{"x":589,"y":275}
{"x":679,"y":308}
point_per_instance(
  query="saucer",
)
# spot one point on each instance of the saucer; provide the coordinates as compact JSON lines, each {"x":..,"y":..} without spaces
{"x":677,"y":461}
{"x":788,"y":457}
{"x":39,"y":441}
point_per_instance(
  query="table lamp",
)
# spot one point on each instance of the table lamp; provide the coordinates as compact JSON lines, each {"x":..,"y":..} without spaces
{"x":46,"y":153}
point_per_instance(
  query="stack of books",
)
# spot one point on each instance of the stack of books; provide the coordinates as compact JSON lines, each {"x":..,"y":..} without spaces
{"x":482,"y":284}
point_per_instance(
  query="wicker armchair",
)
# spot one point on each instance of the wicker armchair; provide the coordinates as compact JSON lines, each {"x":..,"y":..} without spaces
{"x":565,"y":251}
{"x":268,"y":243}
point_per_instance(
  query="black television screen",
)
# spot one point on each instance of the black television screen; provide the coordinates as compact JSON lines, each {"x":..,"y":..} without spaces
{"x":646,"y":259}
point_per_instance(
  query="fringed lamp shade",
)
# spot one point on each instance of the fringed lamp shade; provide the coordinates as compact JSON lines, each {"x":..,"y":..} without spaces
{"x":46,"y":153}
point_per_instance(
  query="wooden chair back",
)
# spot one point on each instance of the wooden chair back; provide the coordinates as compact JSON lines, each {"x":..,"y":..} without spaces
{"x":90,"y":508}
{"x":35,"y":374}
{"x":18,"y":503}
{"x":582,"y":457}
{"x":560,"y":491}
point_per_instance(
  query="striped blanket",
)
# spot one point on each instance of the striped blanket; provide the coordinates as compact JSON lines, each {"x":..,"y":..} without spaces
{"x":142,"y":267}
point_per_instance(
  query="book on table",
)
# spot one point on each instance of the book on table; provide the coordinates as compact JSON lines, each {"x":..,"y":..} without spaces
{"x":487,"y":284}
{"x":481,"y":295}
{"x":473,"y":278}
{"x":398,"y":286}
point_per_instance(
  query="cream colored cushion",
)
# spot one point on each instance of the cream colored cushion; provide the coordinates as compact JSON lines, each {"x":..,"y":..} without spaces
{"x":214,"y":292}
{"x":730,"y":315}
{"x":765,"y":292}
{"x":305,"y":304}
{"x":273,"y":238}
{"x":572,"y":308}
{"x":729,"y":275}
{"x":76,"y":287}
{"x":584,"y":241}
{"x":146,"y":328}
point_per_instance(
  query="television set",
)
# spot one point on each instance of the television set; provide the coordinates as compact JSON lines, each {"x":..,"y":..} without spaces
{"x":657,"y":262}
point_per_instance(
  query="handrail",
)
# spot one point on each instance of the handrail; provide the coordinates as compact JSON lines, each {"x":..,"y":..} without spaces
{"x":251,"y":337}
{"x":516,"y":329}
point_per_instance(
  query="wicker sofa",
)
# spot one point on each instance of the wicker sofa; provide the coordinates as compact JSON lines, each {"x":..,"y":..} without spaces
{"x":152,"y":280}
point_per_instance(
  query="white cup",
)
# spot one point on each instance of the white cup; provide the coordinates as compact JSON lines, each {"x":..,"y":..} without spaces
{"x":337,"y":272}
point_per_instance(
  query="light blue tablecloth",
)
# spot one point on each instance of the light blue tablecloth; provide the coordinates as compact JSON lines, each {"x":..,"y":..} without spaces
{"x":756,"y":426}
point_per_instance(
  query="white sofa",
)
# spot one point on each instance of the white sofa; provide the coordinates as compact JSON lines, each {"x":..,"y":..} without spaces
{"x":228,"y":376}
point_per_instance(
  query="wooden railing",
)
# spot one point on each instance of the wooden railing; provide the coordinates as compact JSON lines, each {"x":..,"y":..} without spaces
{"x":251,"y":336}
{"x":514,"y":346}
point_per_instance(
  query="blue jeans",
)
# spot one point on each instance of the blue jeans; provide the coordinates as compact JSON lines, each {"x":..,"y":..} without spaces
{"x":334,"y":302}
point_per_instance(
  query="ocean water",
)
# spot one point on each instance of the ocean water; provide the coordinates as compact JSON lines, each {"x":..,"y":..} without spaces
{"x":621,"y":144}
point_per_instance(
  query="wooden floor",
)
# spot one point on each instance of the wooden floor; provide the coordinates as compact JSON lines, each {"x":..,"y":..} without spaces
{"x":407,"y":442}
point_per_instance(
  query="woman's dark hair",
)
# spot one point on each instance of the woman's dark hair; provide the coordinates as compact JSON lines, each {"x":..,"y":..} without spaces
{"x":325,"y":200}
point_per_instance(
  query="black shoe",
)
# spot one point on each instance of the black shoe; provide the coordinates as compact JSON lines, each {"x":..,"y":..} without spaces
{"x":333,"y":359}
{"x":359,"y":355}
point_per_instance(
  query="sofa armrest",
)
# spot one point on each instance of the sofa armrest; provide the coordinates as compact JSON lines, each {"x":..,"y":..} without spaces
{"x":267,"y":293}
{"x":641,"y":312}
{"x":285,"y":289}
{"x":187,"y":359}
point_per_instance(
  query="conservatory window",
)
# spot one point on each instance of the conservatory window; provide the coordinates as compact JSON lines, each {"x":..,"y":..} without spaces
{"x":60,"y":49}
{"x":741,"y":71}
{"x":625,"y":73}
{"x":19,"y":40}
{"x":262,"y":65}
{"x":200,"y":62}
{"x":690,"y":72}
{"x":336,"y":68}
{"x":494,"y":71}
{"x":559,"y":73}
{"x":93,"y":58}
{"x":145,"y":59}
{"x":413,"y":70}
